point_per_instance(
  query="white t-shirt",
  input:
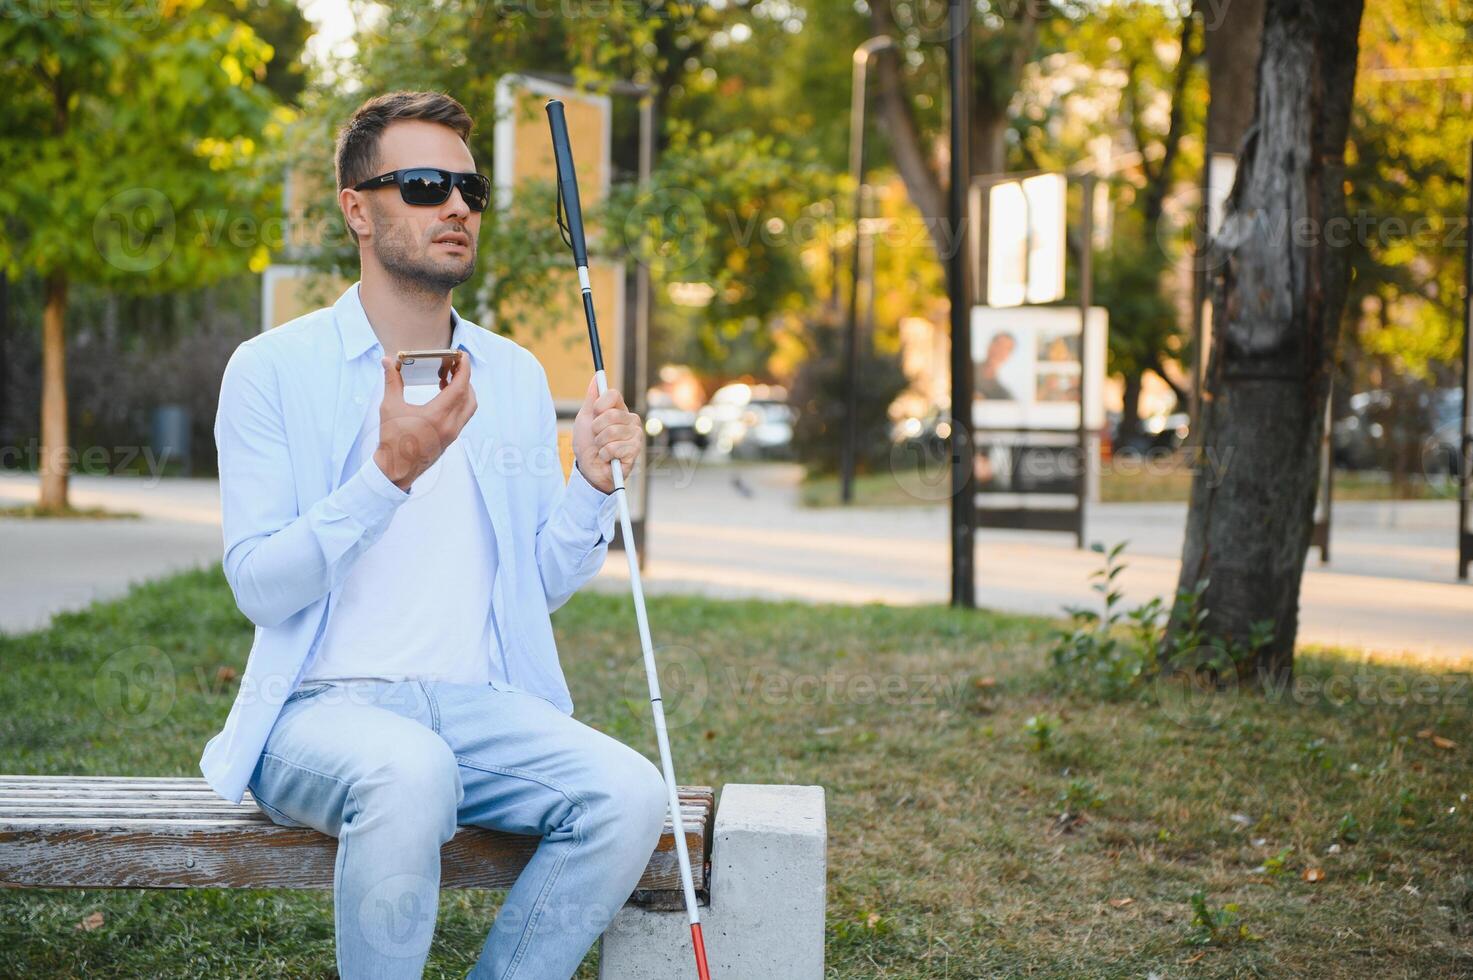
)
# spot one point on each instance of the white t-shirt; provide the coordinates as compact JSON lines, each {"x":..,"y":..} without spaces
{"x":417,"y":603}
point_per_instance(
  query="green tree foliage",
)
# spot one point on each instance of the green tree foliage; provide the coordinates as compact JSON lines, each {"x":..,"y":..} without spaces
{"x":1126,"y":80}
{"x":732,"y":213}
{"x":1408,"y":185}
{"x":725,"y":206}
{"x":129,"y":139}
{"x":129,"y":146}
{"x":281,"y":24}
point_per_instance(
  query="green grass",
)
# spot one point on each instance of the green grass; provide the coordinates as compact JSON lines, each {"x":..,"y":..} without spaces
{"x":29,"y":511}
{"x":875,"y":490}
{"x":1156,"y":482}
{"x":1146,"y":481}
{"x":963,"y":842}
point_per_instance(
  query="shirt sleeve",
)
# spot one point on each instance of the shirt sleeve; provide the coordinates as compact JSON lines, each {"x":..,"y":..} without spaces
{"x":590,"y":506}
{"x":575,"y":518}
{"x":278,"y":560}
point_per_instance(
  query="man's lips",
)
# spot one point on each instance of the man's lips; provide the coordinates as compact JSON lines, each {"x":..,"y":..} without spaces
{"x":454,"y":239}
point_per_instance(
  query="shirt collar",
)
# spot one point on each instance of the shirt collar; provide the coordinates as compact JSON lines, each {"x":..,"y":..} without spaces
{"x":357,"y":333}
{"x":463,"y":334}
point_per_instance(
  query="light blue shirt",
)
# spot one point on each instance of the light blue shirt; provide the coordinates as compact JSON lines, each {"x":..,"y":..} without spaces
{"x":298,"y":506}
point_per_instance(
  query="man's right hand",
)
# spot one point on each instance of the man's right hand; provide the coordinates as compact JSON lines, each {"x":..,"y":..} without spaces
{"x":412,"y":437}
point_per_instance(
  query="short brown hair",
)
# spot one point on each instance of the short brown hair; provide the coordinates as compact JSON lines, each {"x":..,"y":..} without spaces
{"x":357,"y":147}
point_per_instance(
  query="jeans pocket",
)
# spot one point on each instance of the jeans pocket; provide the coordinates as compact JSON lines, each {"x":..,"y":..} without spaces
{"x":306,"y":691}
{"x":277,"y":817}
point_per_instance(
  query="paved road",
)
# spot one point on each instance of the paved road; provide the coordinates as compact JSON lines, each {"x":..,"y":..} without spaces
{"x":1390,"y":586}
{"x":54,"y":564}
{"x":738,"y":531}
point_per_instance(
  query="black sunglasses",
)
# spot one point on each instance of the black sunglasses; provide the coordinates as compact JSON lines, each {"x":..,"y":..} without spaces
{"x":429,"y":186}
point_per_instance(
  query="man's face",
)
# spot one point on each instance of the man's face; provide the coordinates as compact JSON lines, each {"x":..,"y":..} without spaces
{"x":430,"y":246}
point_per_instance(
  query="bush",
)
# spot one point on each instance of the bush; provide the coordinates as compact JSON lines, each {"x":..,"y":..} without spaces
{"x":1115,"y":651}
{"x":817,"y":397}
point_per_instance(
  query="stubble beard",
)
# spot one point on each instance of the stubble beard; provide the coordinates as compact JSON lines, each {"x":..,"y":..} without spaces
{"x":417,"y":271}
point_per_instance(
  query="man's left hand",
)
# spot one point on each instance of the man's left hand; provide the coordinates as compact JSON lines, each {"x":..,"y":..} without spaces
{"x":605,"y":430}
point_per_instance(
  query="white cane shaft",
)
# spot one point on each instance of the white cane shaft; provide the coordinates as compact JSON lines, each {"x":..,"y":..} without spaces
{"x":657,"y":705}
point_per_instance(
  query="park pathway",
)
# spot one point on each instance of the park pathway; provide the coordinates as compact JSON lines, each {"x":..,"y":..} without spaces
{"x":738,"y":531}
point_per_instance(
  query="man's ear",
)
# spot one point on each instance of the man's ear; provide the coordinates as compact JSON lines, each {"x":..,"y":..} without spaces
{"x":355,"y":212}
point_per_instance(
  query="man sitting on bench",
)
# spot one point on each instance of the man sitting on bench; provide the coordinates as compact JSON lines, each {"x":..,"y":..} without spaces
{"x":399,"y":550}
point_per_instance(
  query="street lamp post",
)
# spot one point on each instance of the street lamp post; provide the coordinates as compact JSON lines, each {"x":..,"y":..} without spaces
{"x":849,"y":451}
{"x":1463,"y":458}
{"x":959,"y":286}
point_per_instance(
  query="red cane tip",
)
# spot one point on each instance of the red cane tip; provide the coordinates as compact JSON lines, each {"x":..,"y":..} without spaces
{"x":702,"y":970}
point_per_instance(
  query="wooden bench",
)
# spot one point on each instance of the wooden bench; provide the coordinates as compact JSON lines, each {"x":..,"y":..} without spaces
{"x":759,"y":862}
{"x":125,"y":832}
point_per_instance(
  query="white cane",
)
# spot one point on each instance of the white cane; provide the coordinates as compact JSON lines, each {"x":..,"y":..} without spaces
{"x":568,"y":201}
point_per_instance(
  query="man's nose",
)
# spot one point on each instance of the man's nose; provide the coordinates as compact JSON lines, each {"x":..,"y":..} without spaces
{"x":455,"y":205}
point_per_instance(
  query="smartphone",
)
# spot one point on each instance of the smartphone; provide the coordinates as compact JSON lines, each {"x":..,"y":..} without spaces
{"x":428,"y":367}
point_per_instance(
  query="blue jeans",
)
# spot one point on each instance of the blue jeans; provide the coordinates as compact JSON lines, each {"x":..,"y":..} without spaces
{"x":390,"y":769}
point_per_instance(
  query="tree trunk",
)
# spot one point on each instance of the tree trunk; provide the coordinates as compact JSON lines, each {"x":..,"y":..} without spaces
{"x":1233,"y":32}
{"x":5,"y":374}
{"x":1130,"y":410}
{"x":1278,"y":295}
{"x":993,"y":86}
{"x":922,"y":183}
{"x":54,"y":443}
{"x":1183,"y":397}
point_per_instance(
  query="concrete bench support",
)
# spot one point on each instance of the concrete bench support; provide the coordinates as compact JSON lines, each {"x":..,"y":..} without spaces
{"x":767,"y":894}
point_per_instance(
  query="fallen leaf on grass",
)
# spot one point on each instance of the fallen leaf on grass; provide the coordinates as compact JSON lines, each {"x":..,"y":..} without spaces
{"x":1120,"y":903}
{"x":91,"y":922}
{"x":1313,"y":874}
{"x":1440,"y":741}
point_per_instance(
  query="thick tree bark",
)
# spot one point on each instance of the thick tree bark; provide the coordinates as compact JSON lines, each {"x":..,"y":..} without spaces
{"x":1278,"y":294}
{"x":1233,"y":32}
{"x":54,"y":443}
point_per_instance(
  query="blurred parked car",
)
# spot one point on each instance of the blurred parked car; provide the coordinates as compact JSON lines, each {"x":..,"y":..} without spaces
{"x":1440,"y":452}
{"x":748,"y":420}
{"x":1413,"y":426}
{"x":926,"y":435}
{"x":1157,"y":433}
{"x":669,"y":426}
{"x":769,"y":433}
{"x":1358,"y":440}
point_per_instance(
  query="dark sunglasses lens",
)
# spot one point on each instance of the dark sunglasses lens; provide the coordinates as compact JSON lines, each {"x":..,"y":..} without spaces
{"x":425,"y":186}
{"x":476,"y":190}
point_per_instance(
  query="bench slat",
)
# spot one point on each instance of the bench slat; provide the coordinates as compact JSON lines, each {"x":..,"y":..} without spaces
{"x":207,"y":855}
{"x":42,"y":795}
{"x":174,"y":832}
{"x":121,"y":782}
{"x":182,"y":787}
{"x":83,"y":815}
